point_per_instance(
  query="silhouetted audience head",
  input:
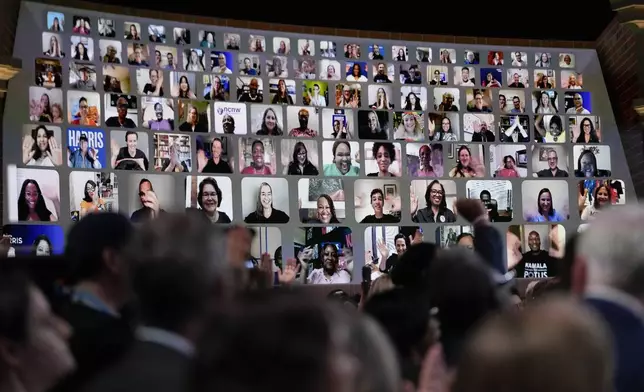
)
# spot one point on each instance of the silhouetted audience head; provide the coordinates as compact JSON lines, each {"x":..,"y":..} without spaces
{"x":412,"y":270}
{"x":556,"y":346}
{"x":179,"y":265}
{"x":33,"y":341}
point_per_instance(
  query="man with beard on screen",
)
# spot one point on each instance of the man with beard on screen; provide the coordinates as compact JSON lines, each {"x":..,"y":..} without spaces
{"x":536,"y":263}
{"x":150,"y":203}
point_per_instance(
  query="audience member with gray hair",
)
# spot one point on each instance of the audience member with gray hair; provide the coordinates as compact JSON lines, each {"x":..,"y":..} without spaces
{"x":179,"y":269}
{"x":555,"y":346}
{"x":608,"y":271}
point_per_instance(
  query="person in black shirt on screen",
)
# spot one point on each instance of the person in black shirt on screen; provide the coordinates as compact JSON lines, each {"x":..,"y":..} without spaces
{"x":215,"y":164}
{"x":377,"y":198}
{"x":300,"y":164}
{"x":372,"y":129}
{"x":381,"y":74}
{"x":264,"y":210}
{"x":401,"y":243}
{"x":436,"y":210}
{"x":121,"y":120}
{"x":151,"y":207}
{"x":209,"y":200}
{"x":536,"y":263}
{"x":155,"y":87}
{"x":129,"y":157}
{"x":552,"y":170}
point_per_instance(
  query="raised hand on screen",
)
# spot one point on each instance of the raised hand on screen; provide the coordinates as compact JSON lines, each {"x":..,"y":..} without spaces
{"x":382,"y":249}
{"x":413,"y":202}
{"x":56,"y":153}
{"x":27,"y":149}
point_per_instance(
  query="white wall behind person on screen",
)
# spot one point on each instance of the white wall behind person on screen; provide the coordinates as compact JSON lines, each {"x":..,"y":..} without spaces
{"x":224,"y":184}
{"x":258,"y":113}
{"x":267,"y":240}
{"x":602,"y":155}
{"x":540,"y":158}
{"x":47,"y":180}
{"x":498,"y":152}
{"x":93,"y":103}
{"x":287,"y":149}
{"x":250,"y":194}
{"x":53,"y":45}
{"x":41,"y":101}
{"x":500,"y":190}
{"x":163,"y":186}
{"x":419,"y":187}
{"x":362,"y":195}
{"x":544,"y":232}
{"x":28,"y":138}
{"x":304,"y":197}
{"x":82,"y":48}
{"x":413,"y":98}
{"x":293,"y":118}
{"x":371,"y":165}
{"x":235,"y":110}
{"x":117,"y":138}
{"x":281,"y":45}
{"x":327,"y":152}
{"x":559,"y":195}
{"x":108,"y":197}
{"x":107,"y":47}
{"x":328,"y":122}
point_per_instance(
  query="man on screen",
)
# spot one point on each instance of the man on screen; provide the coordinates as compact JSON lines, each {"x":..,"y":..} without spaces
{"x":578,"y":107}
{"x":159,"y":123}
{"x":84,"y":157}
{"x":250,"y":93}
{"x":378,"y":204}
{"x":552,"y":170}
{"x":129,"y":157}
{"x":121,"y":120}
{"x":516,"y":82}
{"x":303,"y":130}
{"x":381,"y":74}
{"x":536,"y":263}
{"x":150,"y":203}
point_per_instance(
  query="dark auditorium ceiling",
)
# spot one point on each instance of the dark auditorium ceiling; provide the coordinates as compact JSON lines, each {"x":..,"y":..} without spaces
{"x":544,"y":20}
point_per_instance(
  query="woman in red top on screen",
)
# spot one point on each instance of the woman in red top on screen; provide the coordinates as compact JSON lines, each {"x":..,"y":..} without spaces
{"x":31,"y":204}
{"x":82,"y":117}
{"x":257,"y":166}
{"x":508,"y":170}
{"x":264,"y":212}
{"x":490,"y":81}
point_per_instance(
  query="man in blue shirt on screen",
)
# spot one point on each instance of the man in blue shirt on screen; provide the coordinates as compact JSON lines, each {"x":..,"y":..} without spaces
{"x":84,"y":157}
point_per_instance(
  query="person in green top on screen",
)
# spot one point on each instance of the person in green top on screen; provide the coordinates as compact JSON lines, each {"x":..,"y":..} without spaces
{"x":342,"y":165}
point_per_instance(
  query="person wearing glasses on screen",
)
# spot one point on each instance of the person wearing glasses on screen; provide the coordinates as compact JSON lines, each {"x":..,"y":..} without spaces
{"x":324,"y":213}
{"x":121,"y":120}
{"x":82,"y":118}
{"x":270,"y":126}
{"x":384,"y":154}
{"x":508,"y":169}
{"x":544,"y":104}
{"x":588,"y":134}
{"x":282,"y":95}
{"x":264,"y":211}
{"x":373,"y":130}
{"x":437,"y":80}
{"x":31,"y":204}
{"x":137,"y":57}
{"x":40,"y":148}
{"x":467,"y":166}
{"x":258,"y":166}
{"x":83,"y":157}
{"x":552,"y":170}
{"x":377,"y":198}
{"x":545,"y":210}
{"x":91,"y":201}
{"x":150,"y":207}
{"x":342,"y":165}
{"x":436,"y":210}
{"x":410,"y":128}
{"x":479,"y":104}
{"x":587,"y":166}
{"x":381,"y":74}
{"x":129,"y":153}
{"x":303,"y":130}
{"x":444,"y":134}
{"x":209,"y":199}
{"x":301,"y":165}
{"x":578,"y":108}
{"x":215,"y":164}
{"x":481,"y":132}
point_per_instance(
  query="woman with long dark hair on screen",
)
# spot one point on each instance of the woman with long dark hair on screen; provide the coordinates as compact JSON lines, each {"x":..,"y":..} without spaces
{"x":41,"y":246}
{"x":54,"y":48}
{"x":382,"y":102}
{"x":91,"y":202}
{"x":508,"y":170}
{"x":466,"y":167}
{"x":217,"y":91}
{"x":545,"y":209}
{"x":209,"y":200}
{"x":436,"y":210}
{"x":587,"y":132}
{"x":300,"y":164}
{"x":324,"y":213}
{"x":55,"y":25}
{"x":183,"y":89}
{"x":544,"y":104}
{"x":194,"y":62}
{"x":31,"y":204}
{"x":601,"y":198}
{"x":133,"y":34}
{"x":264,"y":211}
{"x":80,"y":52}
{"x":270,"y":125}
{"x":444,"y":133}
{"x":384,"y":155}
{"x":587,"y":166}
{"x":41,"y":110}
{"x":41,"y":148}
{"x":282,"y":95}
{"x":412,"y":102}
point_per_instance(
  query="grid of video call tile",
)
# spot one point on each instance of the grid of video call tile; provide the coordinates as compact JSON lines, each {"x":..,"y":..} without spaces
{"x":319,"y":57}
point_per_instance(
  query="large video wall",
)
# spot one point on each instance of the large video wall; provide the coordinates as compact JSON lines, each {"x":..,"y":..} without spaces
{"x":336,"y":150}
